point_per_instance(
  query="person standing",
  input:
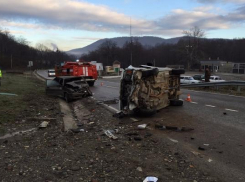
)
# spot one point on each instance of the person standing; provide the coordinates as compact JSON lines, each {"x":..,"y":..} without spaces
{"x":0,"y":76}
{"x":207,"y":75}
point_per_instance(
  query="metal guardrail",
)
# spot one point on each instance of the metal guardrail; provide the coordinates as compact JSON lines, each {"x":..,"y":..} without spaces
{"x":239,"y":84}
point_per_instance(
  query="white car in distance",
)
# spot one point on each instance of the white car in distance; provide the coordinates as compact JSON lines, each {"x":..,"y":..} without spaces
{"x":51,"y":73}
{"x":188,"y":80}
{"x":216,"y":79}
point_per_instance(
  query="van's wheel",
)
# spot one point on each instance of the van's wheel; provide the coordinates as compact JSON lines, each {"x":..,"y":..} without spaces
{"x":178,"y":71}
{"x":144,"y":112}
{"x":176,"y":102}
{"x":91,"y":83}
{"x":67,"y":97}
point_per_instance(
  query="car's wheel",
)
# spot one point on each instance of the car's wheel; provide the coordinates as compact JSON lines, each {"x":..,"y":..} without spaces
{"x":67,"y":97}
{"x":91,"y":83}
{"x":176,"y":102}
{"x":178,"y":71}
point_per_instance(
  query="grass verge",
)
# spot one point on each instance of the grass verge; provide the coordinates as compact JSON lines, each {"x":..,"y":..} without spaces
{"x":31,"y":100}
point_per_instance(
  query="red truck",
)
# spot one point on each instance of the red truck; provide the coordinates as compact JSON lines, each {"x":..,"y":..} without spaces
{"x":85,"y":69}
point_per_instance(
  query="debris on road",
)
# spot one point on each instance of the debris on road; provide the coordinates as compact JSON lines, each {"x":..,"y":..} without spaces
{"x":201,"y":148}
{"x":173,"y":128}
{"x":110,"y":135}
{"x":150,"y":179}
{"x":77,"y":130}
{"x":173,"y":140}
{"x":224,"y":113}
{"x":139,"y":169}
{"x":44,"y":124}
{"x":142,"y":126}
{"x":134,"y":120}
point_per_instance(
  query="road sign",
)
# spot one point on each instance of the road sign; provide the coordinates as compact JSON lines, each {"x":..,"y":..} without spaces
{"x":30,"y":63}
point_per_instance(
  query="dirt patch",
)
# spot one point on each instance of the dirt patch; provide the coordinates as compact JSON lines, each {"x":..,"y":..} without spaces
{"x":89,"y":155}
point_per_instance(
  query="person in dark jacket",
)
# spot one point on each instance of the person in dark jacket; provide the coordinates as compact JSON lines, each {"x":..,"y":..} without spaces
{"x":0,"y":76}
{"x":207,"y":75}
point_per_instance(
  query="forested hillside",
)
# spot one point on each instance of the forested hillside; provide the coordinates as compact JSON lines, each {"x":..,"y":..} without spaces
{"x":18,"y":50}
{"x":192,"y":50}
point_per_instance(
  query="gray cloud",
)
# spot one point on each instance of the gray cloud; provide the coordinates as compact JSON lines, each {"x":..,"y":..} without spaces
{"x":70,"y":14}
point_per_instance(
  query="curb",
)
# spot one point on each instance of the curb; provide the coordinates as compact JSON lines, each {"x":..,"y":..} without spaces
{"x":108,"y":77}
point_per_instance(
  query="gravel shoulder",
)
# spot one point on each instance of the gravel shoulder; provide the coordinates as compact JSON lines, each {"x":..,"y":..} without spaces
{"x":87,"y":154}
{"x":30,"y":153}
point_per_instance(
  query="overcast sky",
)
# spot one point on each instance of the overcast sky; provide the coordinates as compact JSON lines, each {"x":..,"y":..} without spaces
{"x":77,"y":23}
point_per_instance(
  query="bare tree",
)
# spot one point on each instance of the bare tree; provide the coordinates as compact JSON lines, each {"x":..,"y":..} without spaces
{"x":192,"y":47}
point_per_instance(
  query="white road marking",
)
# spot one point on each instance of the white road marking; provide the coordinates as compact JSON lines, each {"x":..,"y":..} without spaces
{"x":210,"y":106}
{"x":194,"y":102}
{"x":231,"y":110}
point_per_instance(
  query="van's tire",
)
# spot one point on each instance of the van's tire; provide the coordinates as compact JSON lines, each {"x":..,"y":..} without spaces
{"x":144,"y":112}
{"x":67,"y":97}
{"x":91,"y":83}
{"x":152,"y":72}
{"x":178,"y":71}
{"x":176,"y":102}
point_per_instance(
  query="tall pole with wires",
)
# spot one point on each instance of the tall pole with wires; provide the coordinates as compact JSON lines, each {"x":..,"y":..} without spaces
{"x":131,"y":46}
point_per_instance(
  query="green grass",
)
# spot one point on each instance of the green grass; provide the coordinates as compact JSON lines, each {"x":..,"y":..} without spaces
{"x":29,"y":92}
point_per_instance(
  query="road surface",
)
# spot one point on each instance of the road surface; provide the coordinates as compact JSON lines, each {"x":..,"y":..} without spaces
{"x":219,"y":128}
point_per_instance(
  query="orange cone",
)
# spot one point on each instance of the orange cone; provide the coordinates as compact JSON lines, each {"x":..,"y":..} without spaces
{"x":101,"y":84}
{"x":188,"y":99}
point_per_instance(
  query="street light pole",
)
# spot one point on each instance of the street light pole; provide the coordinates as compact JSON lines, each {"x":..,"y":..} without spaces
{"x":11,"y":62}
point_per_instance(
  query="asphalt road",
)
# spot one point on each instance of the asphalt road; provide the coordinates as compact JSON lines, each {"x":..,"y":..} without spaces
{"x":219,"y":128}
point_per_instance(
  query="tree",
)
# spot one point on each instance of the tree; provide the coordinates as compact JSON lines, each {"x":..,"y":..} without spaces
{"x":192,"y":47}
{"x":108,"y":51}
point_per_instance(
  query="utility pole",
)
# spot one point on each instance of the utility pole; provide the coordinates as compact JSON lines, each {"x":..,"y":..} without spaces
{"x":11,"y":62}
{"x":131,"y":45}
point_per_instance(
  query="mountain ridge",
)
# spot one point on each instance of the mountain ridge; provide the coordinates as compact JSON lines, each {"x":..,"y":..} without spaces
{"x":120,"y":41}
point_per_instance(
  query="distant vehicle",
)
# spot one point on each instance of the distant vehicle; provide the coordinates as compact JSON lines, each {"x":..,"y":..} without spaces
{"x":199,"y":77}
{"x":68,"y":87}
{"x":51,"y":73}
{"x":188,"y":80}
{"x":85,"y":69}
{"x":216,"y":79}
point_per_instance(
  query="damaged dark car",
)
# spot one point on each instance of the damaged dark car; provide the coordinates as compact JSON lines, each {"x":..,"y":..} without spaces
{"x":68,"y":87}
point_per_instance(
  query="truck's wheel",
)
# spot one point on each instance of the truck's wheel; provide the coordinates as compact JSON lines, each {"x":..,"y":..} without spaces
{"x":67,"y":97}
{"x":91,"y":84}
{"x":176,"y":102}
{"x":178,"y":71}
